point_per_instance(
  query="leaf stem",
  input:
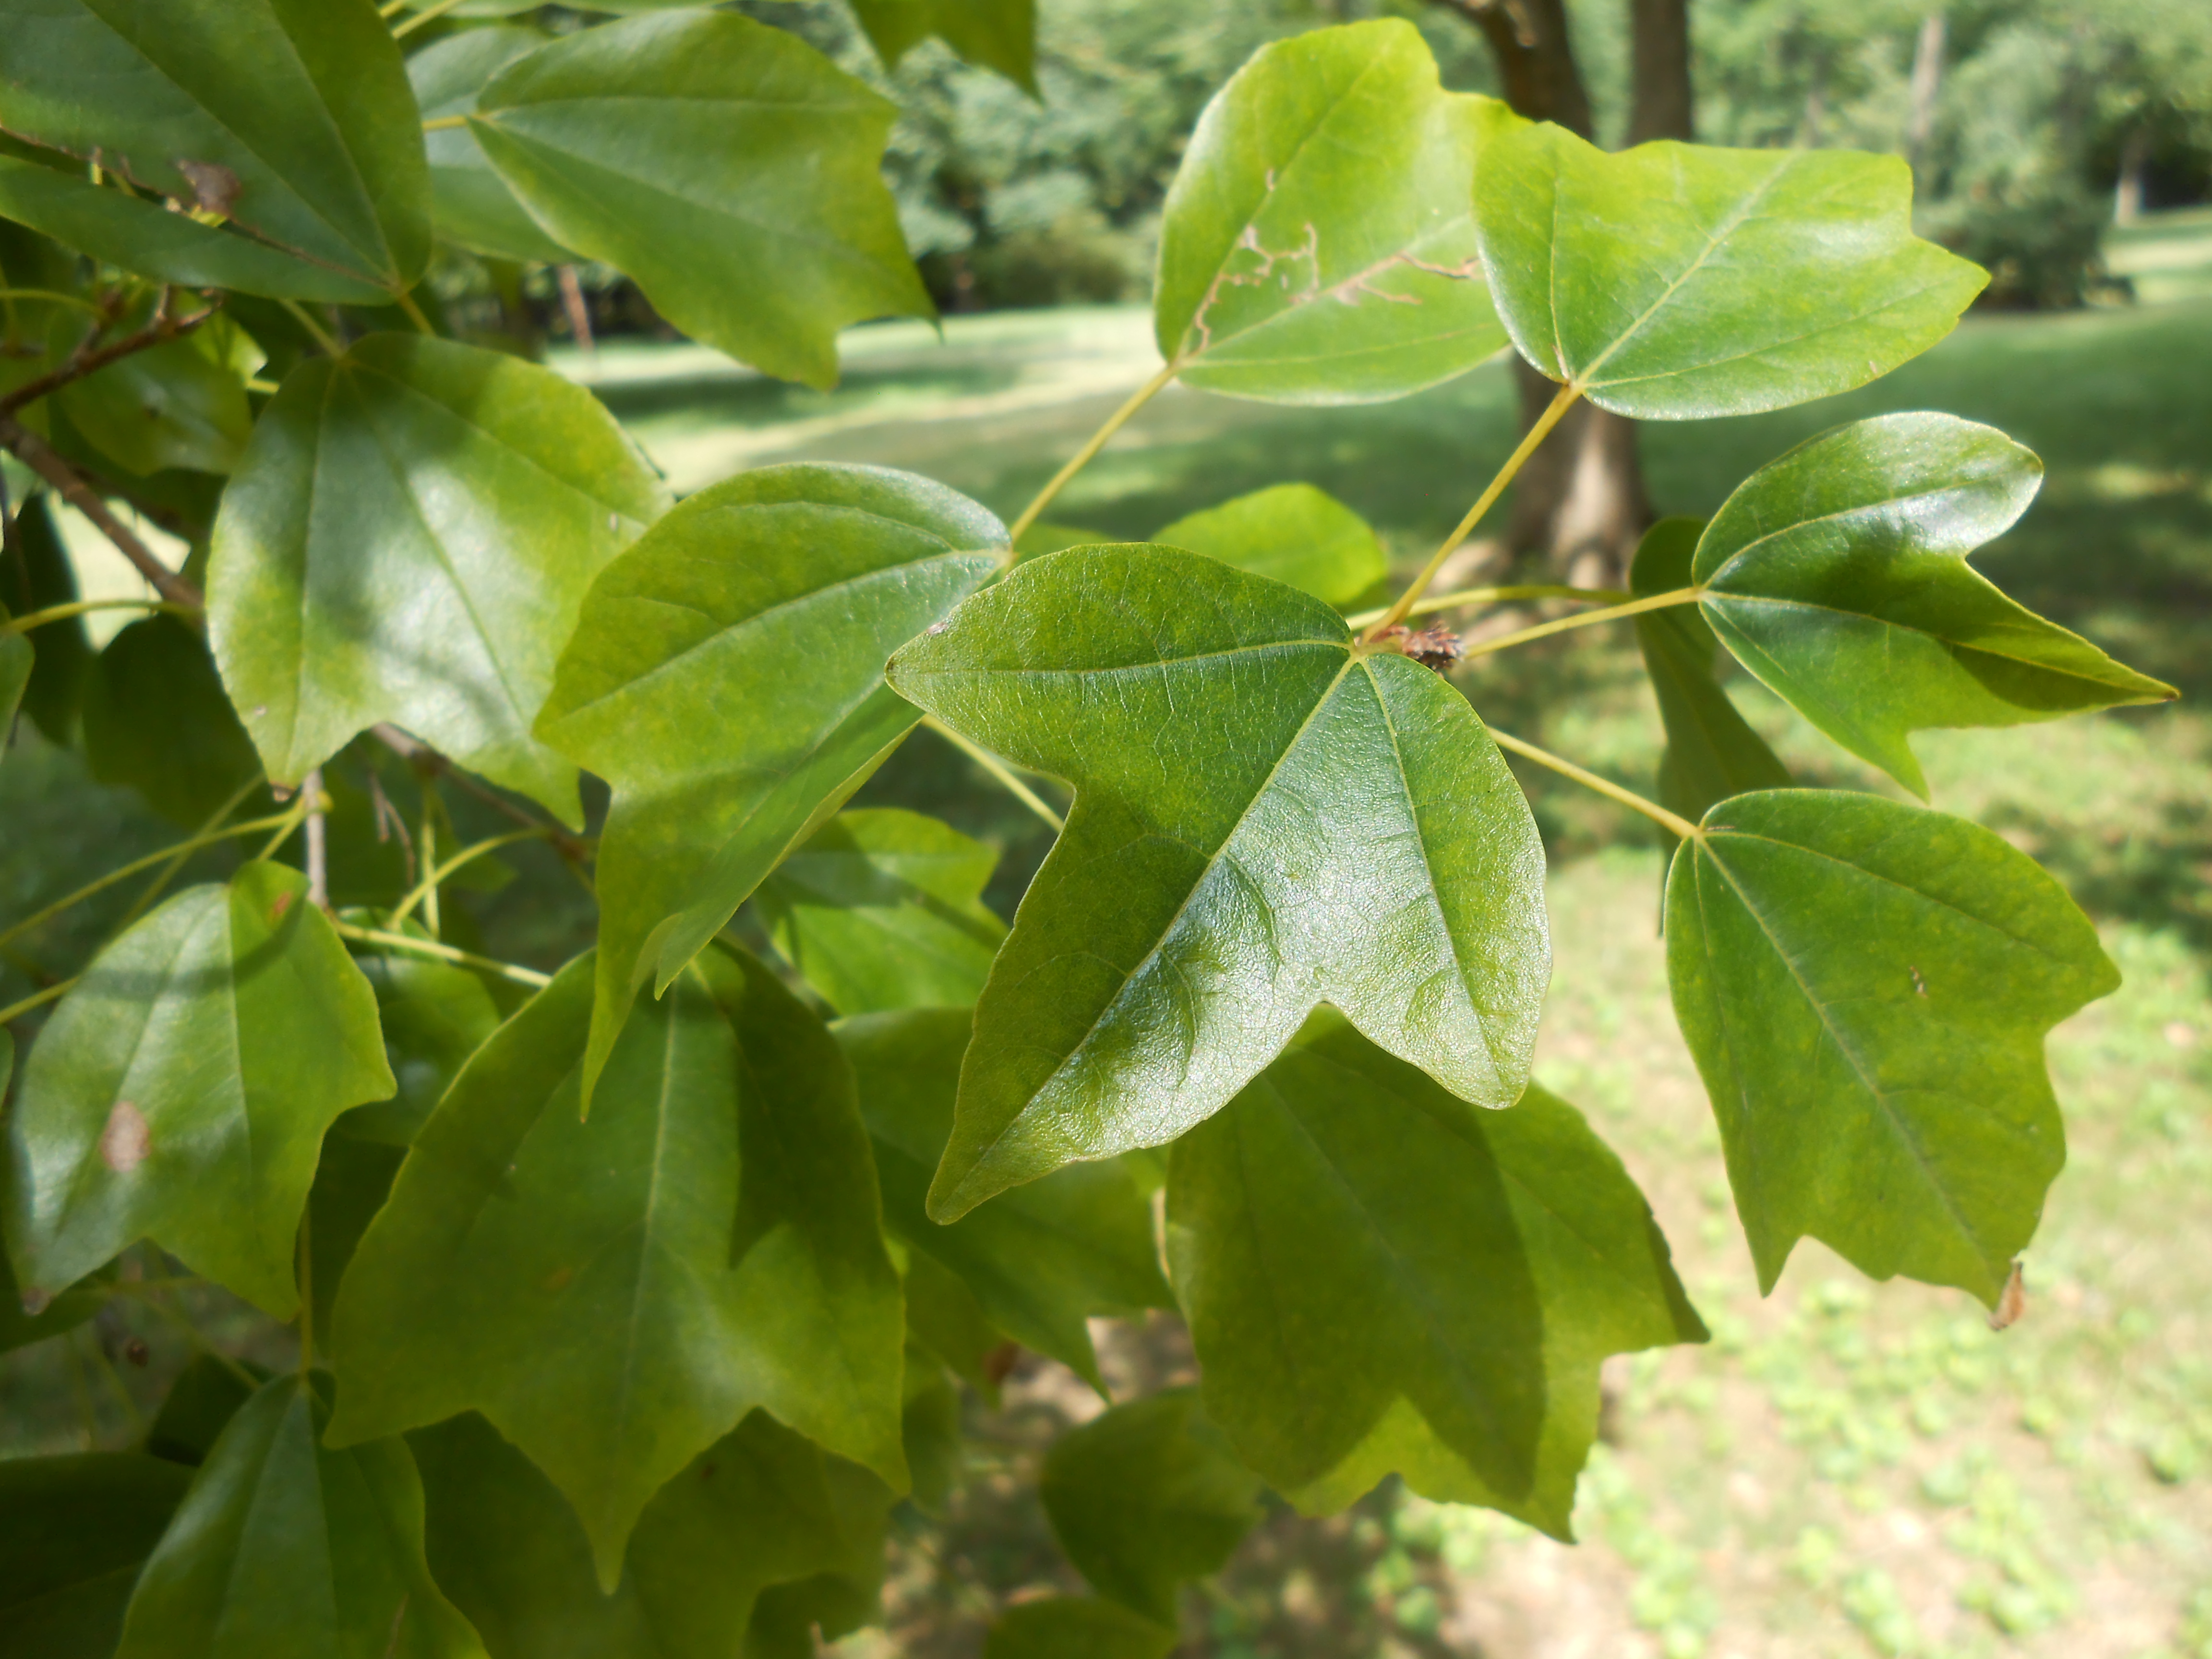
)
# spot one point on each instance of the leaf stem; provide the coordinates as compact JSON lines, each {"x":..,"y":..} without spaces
{"x":1561,"y":624}
{"x":1672,"y":822}
{"x":428,"y":14}
{"x":415,"y":313}
{"x":998,"y":768}
{"x":445,"y":123}
{"x":168,"y":872}
{"x":509,"y":970}
{"x":162,"y":330}
{"x":439,"y":874}
{"x":1453,"y":601}
{"x":38,"y":999}
{"x":321,"y":336}
{"x":285,"y":826}
{"x":1082,"y":457}
{"x":1552,"y":413}
{"x":51,"y":298}
{"x":193,"y":845}
{"x":318,"y":849}
{"x":54,"y":613}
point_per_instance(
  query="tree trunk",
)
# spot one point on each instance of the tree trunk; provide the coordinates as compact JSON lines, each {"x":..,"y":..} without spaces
{"x":1660,"y":32}
{"x":2135,"y":160}
{"x":1927,"y":83}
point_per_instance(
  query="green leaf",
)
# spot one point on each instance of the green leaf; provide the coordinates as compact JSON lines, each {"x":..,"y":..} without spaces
{"x":207,"y":1393}
{"x":999,"y":35}
{"x":727,"y":167}
{"x":930,"y":1429}
{"x":1039,"y":1259}
{"x":1146,"y":1497}
{"x":1711,"y":751}
{"x":1379,"y":1278}
{"x":352,"y":1183}
{"x":289,"y":118}
{"x":616,"y":1295}
{"x":1268,"y":817}
{"x":944,"y":1319}
{"x":33,"y":575}
{"x":474,"y":209}
{"x":883,"y":908}
{"x":409,"y":540}
{"x":1076,"y":1627}
{"x":1319,"y":244}
{"x":73,"y":1533}
{"x":1865,"y":986}
{"x":19,"y":1327}
{"x":18,"y":659}
{"x":761,"y":1506}
{"x":1672,"y":282}
{"x":283,"y":1547}
{"x":181,"y":1091}
{"x":1293,"y":532}
{"x":155,"y":717}
{"x":1838,"y":575}
{"x":170,"y":406}
{"x":788,"y":1617}
{"x":779,"y":594}
{"x":435,"y":1016}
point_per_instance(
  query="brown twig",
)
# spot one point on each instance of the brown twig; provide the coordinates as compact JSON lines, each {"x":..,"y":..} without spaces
{"x":159,"y":332}
{"x":429,"y":762}
{"x":35,"y":453}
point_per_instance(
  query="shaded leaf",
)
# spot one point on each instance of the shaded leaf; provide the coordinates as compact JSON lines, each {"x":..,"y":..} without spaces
{"x":1838,"y":575}
{"x":155,"y":717}
{"x":883,"y":909}
{"x":290,"y":118}
{"x":474,"y":208}
{"x":1076,"y":1627}
{"x":181,"y":1092}
{"x":1293,"y":532}
{"x":283,"y":1547}
{"x":351,"y":1184}
{"x":1268,"y":817}
{"x":761,"y":1506}
{"x":1378,"y":1277}
{"x":998,"y":34}
{"x":1039,"y":1259}
{"x":175,"y":405}
{"x":73,"y":1534}
{"x":726,"y":166}
{"x":944,"y":1318}
{"x":18,"y":659}
{"x":205,"y":1397}
{"x":409,"y":540}
{"x":19,"y":1327}
{"x":1319,"y":243}
{"x":930,"y":1429}
{"x":1147,"y":1495}
{"x":1672,"y":280}
{"x":616,"y":1295}
{"x":788,"y":1619}
{"x":435,"y":1016}
{"x":1865,"y":987}
{"x":34,"y":574}
{"x":779,"y":594}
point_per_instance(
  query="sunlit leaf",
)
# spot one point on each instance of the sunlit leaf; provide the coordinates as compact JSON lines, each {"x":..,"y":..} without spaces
{"x":1076,"y":1627}
{"x":727,"y":167}
{"x":883,"y":908}
{"x":999,"y":35}
{"x":1675,"y":281}
{"x":155,"y":717}
{"x":1147,"y":1495}
{"x":1319,"y":244}
{"x":181,"y":1092}
{"x":1865,"y":987}
{"x":1039,"y":1259}
{"x":1380,"y":1278}
{"x":409,"y":538}
{"x":74,"y":1531}
{"x":291,"y":119}
{"x":474,"y":208}
{"x":1293,"y":532}
{"x":727,"y":678}
{"x":616,"y":1295}
{"x":282,"y":1545}
{"x":1268,"y":817}
{"x":1838,"y":575}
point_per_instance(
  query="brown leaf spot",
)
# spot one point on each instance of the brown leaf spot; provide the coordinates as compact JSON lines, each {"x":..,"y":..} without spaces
{"x":1432,"y":648}
{"x":2011,"y":1301}
{"x":36,"y":1303}
{"x":276,"y":910}
{"x":138,"y":1352}
{"x":125,"y":1141}
{"x":215,"y":187}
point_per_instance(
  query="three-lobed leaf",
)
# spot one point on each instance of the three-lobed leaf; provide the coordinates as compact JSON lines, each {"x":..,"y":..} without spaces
{"x":1838,"y":575}
{"x":1268,"y":817}
{"x":1379,"y":1277}
{"x":181,"y":1092}
{"x":617,"y":1294}
{"x":74,"y":1531}
{"x":1865,"y":987}
{"x":409,"y":540}
{"x":1672,"y":280}
{"x":1318,"y":245}
{"x":1293,"y":532}
{"x":727,"y":676}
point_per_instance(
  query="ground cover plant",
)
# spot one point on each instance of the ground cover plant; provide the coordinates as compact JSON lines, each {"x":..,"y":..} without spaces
{"x":657,"y":1270}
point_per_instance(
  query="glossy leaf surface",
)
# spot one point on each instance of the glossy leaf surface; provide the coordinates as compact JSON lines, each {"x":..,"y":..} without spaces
{"x":1293,"y":532}
{"x":883,"y":908}
{"x":473,"y":206}
{"x":1319,"y":243}
{"x":727,"y":167}
{"x":999,"y":35}
{"x":1838,"y":575}
{"x":1672,"y":282}
{"x":155,"y":717}
{"x":727,"y":678}
{"x":1076,"y":1627}
{"x":74,"y":1531}
{"x":291,"y":119}
{"x":1265,"y":818}
{"x":409,"y":540}
{"x":1379,"y":1278}
{"x":616,"y":1295}
{"x":282,"y":1545}
{"x":761,"y":1506}
{"x":1038,"y":1260}
{"x":1147,"y":1495}
{"x":181,"y":1092}
{"x":1865,"y":987}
